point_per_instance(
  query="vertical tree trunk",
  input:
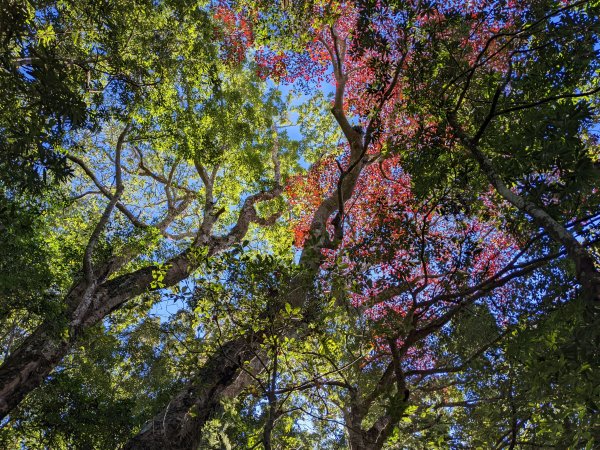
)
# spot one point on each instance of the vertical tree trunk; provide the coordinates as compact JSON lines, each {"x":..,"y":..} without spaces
{"x":179,"y":425}
{"x":359,"y":439}
{"x":356,"y":440}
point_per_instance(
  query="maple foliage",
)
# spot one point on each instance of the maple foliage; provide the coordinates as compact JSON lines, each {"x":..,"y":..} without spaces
{"x":407,"y":254}
{"x":383,"y":219}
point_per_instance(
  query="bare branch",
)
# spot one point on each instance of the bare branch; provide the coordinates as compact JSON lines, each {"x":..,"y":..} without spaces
{"x":87,"y":258}
{"x":85,"y":194}
{"x":134,"y":220}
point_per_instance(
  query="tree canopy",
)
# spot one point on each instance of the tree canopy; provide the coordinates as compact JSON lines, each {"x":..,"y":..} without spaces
{"x":299,"y":224}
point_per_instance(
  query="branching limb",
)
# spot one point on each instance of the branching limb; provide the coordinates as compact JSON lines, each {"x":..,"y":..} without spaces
{"x":87,"y":258}
{"x":587,"y":274}
{"x":248,"y":213}
{"x":106,"y":192}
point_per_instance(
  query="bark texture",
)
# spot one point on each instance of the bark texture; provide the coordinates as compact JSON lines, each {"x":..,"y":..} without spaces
{"x":179,"y":426}
{"x":91,"y":300}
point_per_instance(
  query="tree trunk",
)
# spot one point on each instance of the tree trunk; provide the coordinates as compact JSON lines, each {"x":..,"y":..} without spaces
{"x":179,"y":425}
{"x":356,"y":440}
{"x":359,"y":439}
{"x":26,"y":368}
